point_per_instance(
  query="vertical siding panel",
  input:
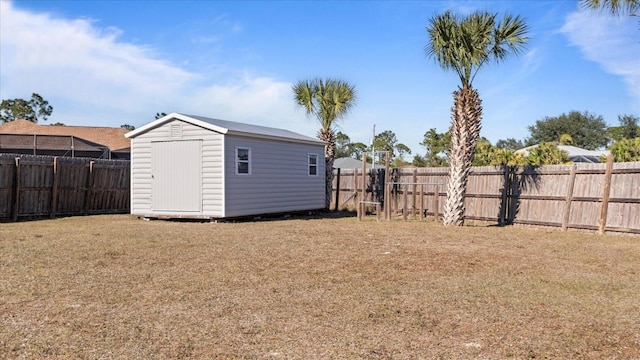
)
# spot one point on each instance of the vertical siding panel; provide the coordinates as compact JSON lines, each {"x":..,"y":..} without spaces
{"x":279,"y":179}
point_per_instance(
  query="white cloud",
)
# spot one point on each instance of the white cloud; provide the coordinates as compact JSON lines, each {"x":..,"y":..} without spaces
{"x":532,"y":60}
{"x":609,"y":41}
{"x":91,"y":77}
{"x":257,"y":100}
{"x":72,"y":60}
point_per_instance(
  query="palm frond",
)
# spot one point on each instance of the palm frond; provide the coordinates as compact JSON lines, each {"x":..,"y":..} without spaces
{"x":303,"y":95}
{"x":326,"y":99}
{"x":615,"y":7}
{"x":466,"y":44}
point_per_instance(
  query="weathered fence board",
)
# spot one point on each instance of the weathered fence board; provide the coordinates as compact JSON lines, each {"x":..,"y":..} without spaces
{"x":39,"y":186}
{"x":567,"y":196}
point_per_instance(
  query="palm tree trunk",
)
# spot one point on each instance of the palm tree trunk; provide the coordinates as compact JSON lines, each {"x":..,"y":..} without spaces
{"x":465,"y":131}
{"x":328,"y":135}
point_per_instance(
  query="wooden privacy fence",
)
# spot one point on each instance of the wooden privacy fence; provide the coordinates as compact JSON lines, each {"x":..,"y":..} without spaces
{"x":40,"y":186}
{"x":602,"y":197}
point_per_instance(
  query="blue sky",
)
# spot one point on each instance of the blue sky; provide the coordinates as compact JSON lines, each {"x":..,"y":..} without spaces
{"x":108,"y":63}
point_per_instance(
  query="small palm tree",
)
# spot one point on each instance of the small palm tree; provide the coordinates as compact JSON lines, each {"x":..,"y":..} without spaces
{"x":546,"y":153}
{"x":465,"y":45}
{"x":328,"y":101}
{"x":565,"y":139}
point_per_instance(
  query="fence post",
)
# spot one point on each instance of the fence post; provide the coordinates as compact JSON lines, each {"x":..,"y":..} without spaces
{"x":413,"y":193}
{"x":436,"y":205}
{"x":605,"y":194}
{"x":364,"y":184}
{"x":396,"y":195}
{"x":405,"y":197}
{"x":88,"y":190}
{"x":16,"y":192}
{"x":503,"y":206}
{"x":355,"y":188}
{"x":422,"y":202}
{"x":335,"y":208}
{"x":54,"y":189}
{"x":514,"y":193}
{"x":387,"y":189}
{"x":569,"y":198}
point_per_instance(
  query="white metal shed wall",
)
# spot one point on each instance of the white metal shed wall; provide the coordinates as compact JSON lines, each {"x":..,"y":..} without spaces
{"x":279,"y":180}
{"x":212,"y":166}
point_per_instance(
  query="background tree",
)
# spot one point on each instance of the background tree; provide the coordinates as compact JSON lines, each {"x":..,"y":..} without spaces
{"x":565,"y":139}
{"x":387,"y":141}
{"x":343,"y":145}
{"x":588,"y":131}
{"x":465,"y":45}
{"x":419,"y":161}
{"x":357,"y":149}
{"x":489,"y":155}
{"x":437,"y":145}
{"x":626,"y":150}
{"x":33,"y":110}
{"x":546,"y":153}
{"x":402,"y":150}
{"x":615,"y":7}
{"x":628,"y":128}
{"x":160,"y":115}
{"x":128,"y":127}
{"x":629,"y":125}
{"x":328,"y":101}
{"x":483,"y":153}
{"x":506,"y":157}
{"x":510,"y":144}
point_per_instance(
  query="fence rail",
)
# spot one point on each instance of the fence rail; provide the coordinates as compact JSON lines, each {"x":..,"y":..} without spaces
{"x":601,"y":197}
{"x":40,"y":186}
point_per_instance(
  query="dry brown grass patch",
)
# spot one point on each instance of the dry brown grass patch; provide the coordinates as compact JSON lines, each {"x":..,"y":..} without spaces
{"x":118,"y":287}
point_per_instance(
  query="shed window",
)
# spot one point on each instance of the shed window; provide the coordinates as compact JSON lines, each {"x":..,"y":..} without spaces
{"x":313,"y":164}
{"x":243,"y":161}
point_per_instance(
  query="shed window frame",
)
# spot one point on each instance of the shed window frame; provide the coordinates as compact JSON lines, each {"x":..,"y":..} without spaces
{"x":239,"y":161}
{"x":312,"y":166}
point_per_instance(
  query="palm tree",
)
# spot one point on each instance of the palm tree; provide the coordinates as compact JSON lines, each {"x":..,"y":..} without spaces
{"x":616,"y":7}
{"x":328,"y":100}
{"x":465,"y":45}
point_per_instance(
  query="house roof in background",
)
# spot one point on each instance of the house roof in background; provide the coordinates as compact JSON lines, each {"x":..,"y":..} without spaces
{"x":576,"y":154}
{"x":228,"y":127}
{"x":348,"y":163}
{"x":351,"y":163}
{"x":572,"y":150}
{"x":111,"y":137}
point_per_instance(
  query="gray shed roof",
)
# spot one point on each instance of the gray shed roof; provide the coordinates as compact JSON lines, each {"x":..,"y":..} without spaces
{"x":229,"y":127}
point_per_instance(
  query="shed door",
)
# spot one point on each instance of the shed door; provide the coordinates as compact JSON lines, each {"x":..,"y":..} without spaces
{"x":176,"y":176}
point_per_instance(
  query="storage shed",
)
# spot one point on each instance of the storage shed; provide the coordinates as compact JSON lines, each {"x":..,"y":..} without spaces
{"x":186,"y":166}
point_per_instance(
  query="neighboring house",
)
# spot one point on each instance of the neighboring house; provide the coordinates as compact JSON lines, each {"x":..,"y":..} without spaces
{"x":193,"y":166}
{"x":351,"y":163}
{"x":26,"y":137}
{"x":576,"y":154}
{"x":348,"y":163}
